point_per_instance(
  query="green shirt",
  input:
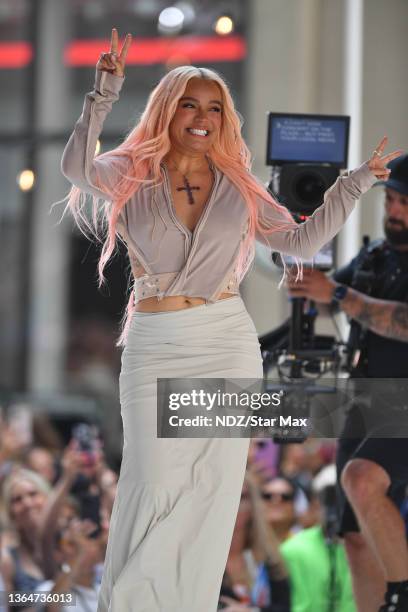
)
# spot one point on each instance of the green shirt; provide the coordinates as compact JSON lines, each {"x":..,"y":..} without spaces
{"x":308,"y":562}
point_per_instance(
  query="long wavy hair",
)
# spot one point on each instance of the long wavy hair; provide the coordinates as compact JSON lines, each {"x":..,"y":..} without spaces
{"x":137,"y":160}
{"x":22,"y":474}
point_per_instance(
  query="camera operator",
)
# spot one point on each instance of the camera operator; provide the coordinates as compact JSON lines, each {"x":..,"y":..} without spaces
{"x":373,"y":291}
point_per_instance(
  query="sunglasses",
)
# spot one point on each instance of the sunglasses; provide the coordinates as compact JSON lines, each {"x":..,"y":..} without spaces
{"x":284,"y":497}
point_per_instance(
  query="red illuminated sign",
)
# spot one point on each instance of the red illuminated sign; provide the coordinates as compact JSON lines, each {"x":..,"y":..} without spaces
{"x":144,"y":51}
{"x":15,"y":54}
{"x":162,"y":50}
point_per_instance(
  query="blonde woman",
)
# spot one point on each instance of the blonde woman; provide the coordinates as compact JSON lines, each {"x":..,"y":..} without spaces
{"x":179,"y":192}
{"x":25,"y":495}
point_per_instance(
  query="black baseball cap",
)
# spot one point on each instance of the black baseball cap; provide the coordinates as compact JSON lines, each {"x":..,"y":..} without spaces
{"x":398,"y":178}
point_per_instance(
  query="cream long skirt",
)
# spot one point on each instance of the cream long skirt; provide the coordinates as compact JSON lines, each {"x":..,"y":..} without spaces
{"x":177,"y":498}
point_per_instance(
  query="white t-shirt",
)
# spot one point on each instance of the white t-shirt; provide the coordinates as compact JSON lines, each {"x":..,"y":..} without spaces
{"x":86,"y":599}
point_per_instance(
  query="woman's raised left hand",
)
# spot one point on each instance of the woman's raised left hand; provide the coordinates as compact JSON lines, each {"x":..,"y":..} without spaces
{"x":378,"y":162}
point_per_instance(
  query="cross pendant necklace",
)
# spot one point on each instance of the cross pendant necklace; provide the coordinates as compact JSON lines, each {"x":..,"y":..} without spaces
{"x":187,"y":187}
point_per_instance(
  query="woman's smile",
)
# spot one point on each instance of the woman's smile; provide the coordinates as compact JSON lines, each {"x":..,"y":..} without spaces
{"x":198,"y":132}
{"x":198,"y":117}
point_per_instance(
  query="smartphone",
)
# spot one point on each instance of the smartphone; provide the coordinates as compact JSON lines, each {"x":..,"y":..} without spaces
{"x":87,"y":438}
{"x":90,"y":505}
{"x":267,"y":456}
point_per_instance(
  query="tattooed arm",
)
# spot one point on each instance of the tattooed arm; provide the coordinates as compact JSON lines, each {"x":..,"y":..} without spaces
{"x":383,"y":317}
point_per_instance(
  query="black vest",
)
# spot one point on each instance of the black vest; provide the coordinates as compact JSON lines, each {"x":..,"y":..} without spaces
{"x":381,"y":272}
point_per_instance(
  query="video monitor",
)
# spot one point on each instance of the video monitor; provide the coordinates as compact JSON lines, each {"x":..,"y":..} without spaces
{"x":300,"y":138}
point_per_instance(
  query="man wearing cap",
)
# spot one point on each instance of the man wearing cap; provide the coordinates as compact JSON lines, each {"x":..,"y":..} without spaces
{"x":373,"y":292}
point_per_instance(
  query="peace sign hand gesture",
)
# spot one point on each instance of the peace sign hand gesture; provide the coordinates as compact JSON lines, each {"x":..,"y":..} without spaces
{"x":113,"y":61}
{"x":377,"y":163}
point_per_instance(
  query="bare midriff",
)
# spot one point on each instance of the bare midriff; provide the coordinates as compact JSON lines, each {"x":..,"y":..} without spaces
{"x":173,"y":302}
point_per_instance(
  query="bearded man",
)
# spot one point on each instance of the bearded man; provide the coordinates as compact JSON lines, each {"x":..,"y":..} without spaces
{"x":373,"y":292}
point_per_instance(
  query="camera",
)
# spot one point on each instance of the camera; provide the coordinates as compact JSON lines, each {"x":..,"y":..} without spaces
{"x":306,"y":153}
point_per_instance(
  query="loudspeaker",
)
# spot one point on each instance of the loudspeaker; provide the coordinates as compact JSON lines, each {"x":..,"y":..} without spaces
{"x":302,"y":186}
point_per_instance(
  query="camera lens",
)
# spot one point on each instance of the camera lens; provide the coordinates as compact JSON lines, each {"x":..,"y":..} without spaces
{"x":309,"y":188}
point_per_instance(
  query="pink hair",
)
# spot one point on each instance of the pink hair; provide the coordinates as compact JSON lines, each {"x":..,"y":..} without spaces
{"x":141,"y":154}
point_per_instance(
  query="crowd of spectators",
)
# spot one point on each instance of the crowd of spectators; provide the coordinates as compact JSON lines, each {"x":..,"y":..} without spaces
{"x":56,"y":501}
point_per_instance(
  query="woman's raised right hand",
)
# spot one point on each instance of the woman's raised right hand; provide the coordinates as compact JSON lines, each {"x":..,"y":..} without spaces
{"x":113,"y":61}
